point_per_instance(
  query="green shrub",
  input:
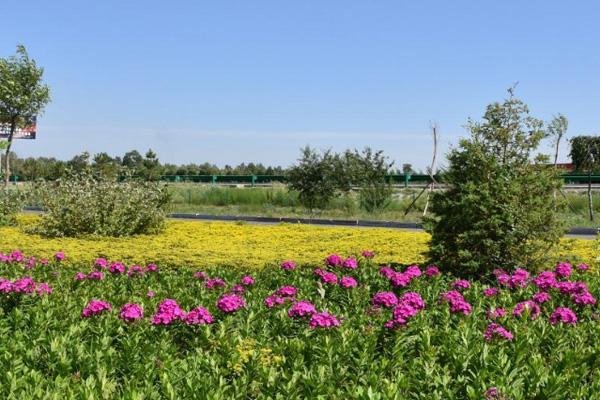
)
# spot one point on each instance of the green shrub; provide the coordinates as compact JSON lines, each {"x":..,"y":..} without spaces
{"x":82,"y":203}
{"x":11,"y":202}
{"x":500,"y":210}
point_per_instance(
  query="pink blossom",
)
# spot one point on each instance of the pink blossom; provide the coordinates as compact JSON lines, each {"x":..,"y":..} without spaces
{"x":94,"y":275}
{"x":275,"y":300}
{"x":150,"y":293}
{"x":461,"y":284}
{"x":400,"y":279}
{"x":199,"y":316}
{"x":95,"y":307}
{"x":151,"y":268}
{"x":239,"y":289}
{"x":457,"y":303}
{"x":387,"y":272}
{"x":563,"y":269}
{"x":368,"y":253}
{"x":131,"y":312}
{"x":247,"y":280}
{"x":495,"y":330}
{"x":200,"y":275}
{"x":490,"y":292}
{"x":495,"y":313}
{"x":348,"y":282}
{"x":43,"y":288}
{"x":350,"y":263}
{"x":168,"y":312}
{"x":545,"y":280}
{"x":583,"y":267}
{"x":329,"y":278}
{"x":323,"y":320}
{"x":385,"y":299}
{"x":301,"y":309}
{"x":583,"y":299}
{"x":230,"y":303}
{"x":214,"y":283}
{"x":6,"y":286}
{"x":59,"y":256}
{"x":288,"y":265}
{"x":413,"y":271}
{"x":334,"y":260}
{"x":432,"y":271}
{"x":563,"y":315}
{"x":100,"y":263}
{"x":135,"y":270}
{"x":16,"y":256}
{"x":519,"y":278}
{"x":24,"y":285}
{"x":79,"y":276}
{"x":541,"y":297}
{"x":116,"y":268}
{"x":286,"y":291}
{"x":528,"y":305}
{"x":413,"y":299}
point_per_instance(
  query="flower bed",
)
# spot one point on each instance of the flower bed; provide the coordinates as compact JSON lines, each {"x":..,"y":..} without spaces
{"x":345,"y":329}
{"x":205,"y":244}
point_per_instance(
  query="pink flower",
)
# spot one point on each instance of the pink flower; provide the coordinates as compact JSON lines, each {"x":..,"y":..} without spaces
{"x":168,"y":312}
{"x":101,"y":263}
{"x":79,"y":276}
{"x":563,"y":269}
{"x":413,"y":271}
{"x":94,"y":276}
{"x":329,"y":278}
{"x":301,"y":309}
{"x":519,"y":278}
{"x":432,"y":271}
{"x":42,"y":289}
{"x":583,"y":299}
{"x":286,"y":291}
{"x":545,"y":280}
{"x":214,"y":283}
{"x":95,"y":307}
{"x":151,"y":268}
{"x":131,"y":312}
{"x":490,"y":292}
{"x":16,"y":256}
{"x":400,"y":279}
{"x":541,"y":297}
{"x":247,"y":280}
{"x":59,"y":256}
{"x":199,"y":316}
{"x":239,"y":289}
{"x":116,"y":268}
{"x":200,"y":275}
{"x":6,"y":286}
{"x":461,"y":284}
{"x":24,"y":285}
{"x":457,"y":303}
{"x":385,"y":299}
{"x":323,"y":320}
{"x":135,"y":270}
{"x":528,"y":305}
{"x":495,"y":313}
{"x":350,"y":263}
{"x":413,"y":299}
{"x":150,"y":294}
{"x":230,"y":303}
{"x":44,"y":261}
{"x":563,"y":315}
{"x":348,"y":282}
{"x":334,"y":260}
{"x":583,"y":267}
{"x":387,"y":272}
{"x":368,"y":253}
{"x":494,"y":330}
{"x":288,"y":265}
{"x":275,"y":300}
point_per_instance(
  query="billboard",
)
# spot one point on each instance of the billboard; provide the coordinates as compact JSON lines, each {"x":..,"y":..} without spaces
{"x":26,"y":132}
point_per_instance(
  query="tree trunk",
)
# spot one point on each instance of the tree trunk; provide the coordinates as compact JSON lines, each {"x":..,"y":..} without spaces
{"x":590,"y":199}
{"x":13,"y":127}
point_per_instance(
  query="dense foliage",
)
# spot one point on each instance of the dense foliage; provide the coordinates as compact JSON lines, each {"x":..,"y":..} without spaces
{"x":368,"y":170}
{"x":348,"y":329}
{"x":500,"y":209}
{"x":23,"y":95}
{"x":11,"y":202}
{"x":585,"y":153}
{"x":84,"y":203}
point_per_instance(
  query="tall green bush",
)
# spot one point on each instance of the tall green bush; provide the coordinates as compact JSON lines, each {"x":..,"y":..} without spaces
{"x":368,"y":170}
{"x":84,"y":203}
{"x":11,"y":202}
{"x":499,"y":210}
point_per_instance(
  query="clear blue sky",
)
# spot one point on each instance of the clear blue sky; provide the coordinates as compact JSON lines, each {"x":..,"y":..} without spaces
{"x":232,"y":81}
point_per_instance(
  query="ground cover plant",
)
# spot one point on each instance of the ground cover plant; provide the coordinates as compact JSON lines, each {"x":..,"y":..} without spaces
{"x":346,"y":327}
{"x":206,"y":244}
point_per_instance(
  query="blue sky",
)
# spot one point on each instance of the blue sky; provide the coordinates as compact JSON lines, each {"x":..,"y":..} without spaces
{"x":233,"y":81}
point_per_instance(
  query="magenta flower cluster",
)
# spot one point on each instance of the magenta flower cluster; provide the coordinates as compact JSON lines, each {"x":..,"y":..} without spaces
{"x":24,"y":285}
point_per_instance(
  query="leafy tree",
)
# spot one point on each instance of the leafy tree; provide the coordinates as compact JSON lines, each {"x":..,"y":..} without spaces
{"x":499,"y":210}
{"x":556,"y":130}
{"x":133,"y":159}
{"x":368,"y":170}
{"x":106,"y":165}
{"x":314,"y":177}
{"x":151,"y":165}
{"x":23,"y":95}
{"x":585,"y":153}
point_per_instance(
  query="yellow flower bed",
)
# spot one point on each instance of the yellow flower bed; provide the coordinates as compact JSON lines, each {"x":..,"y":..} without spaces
{"x":205,"y":244}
